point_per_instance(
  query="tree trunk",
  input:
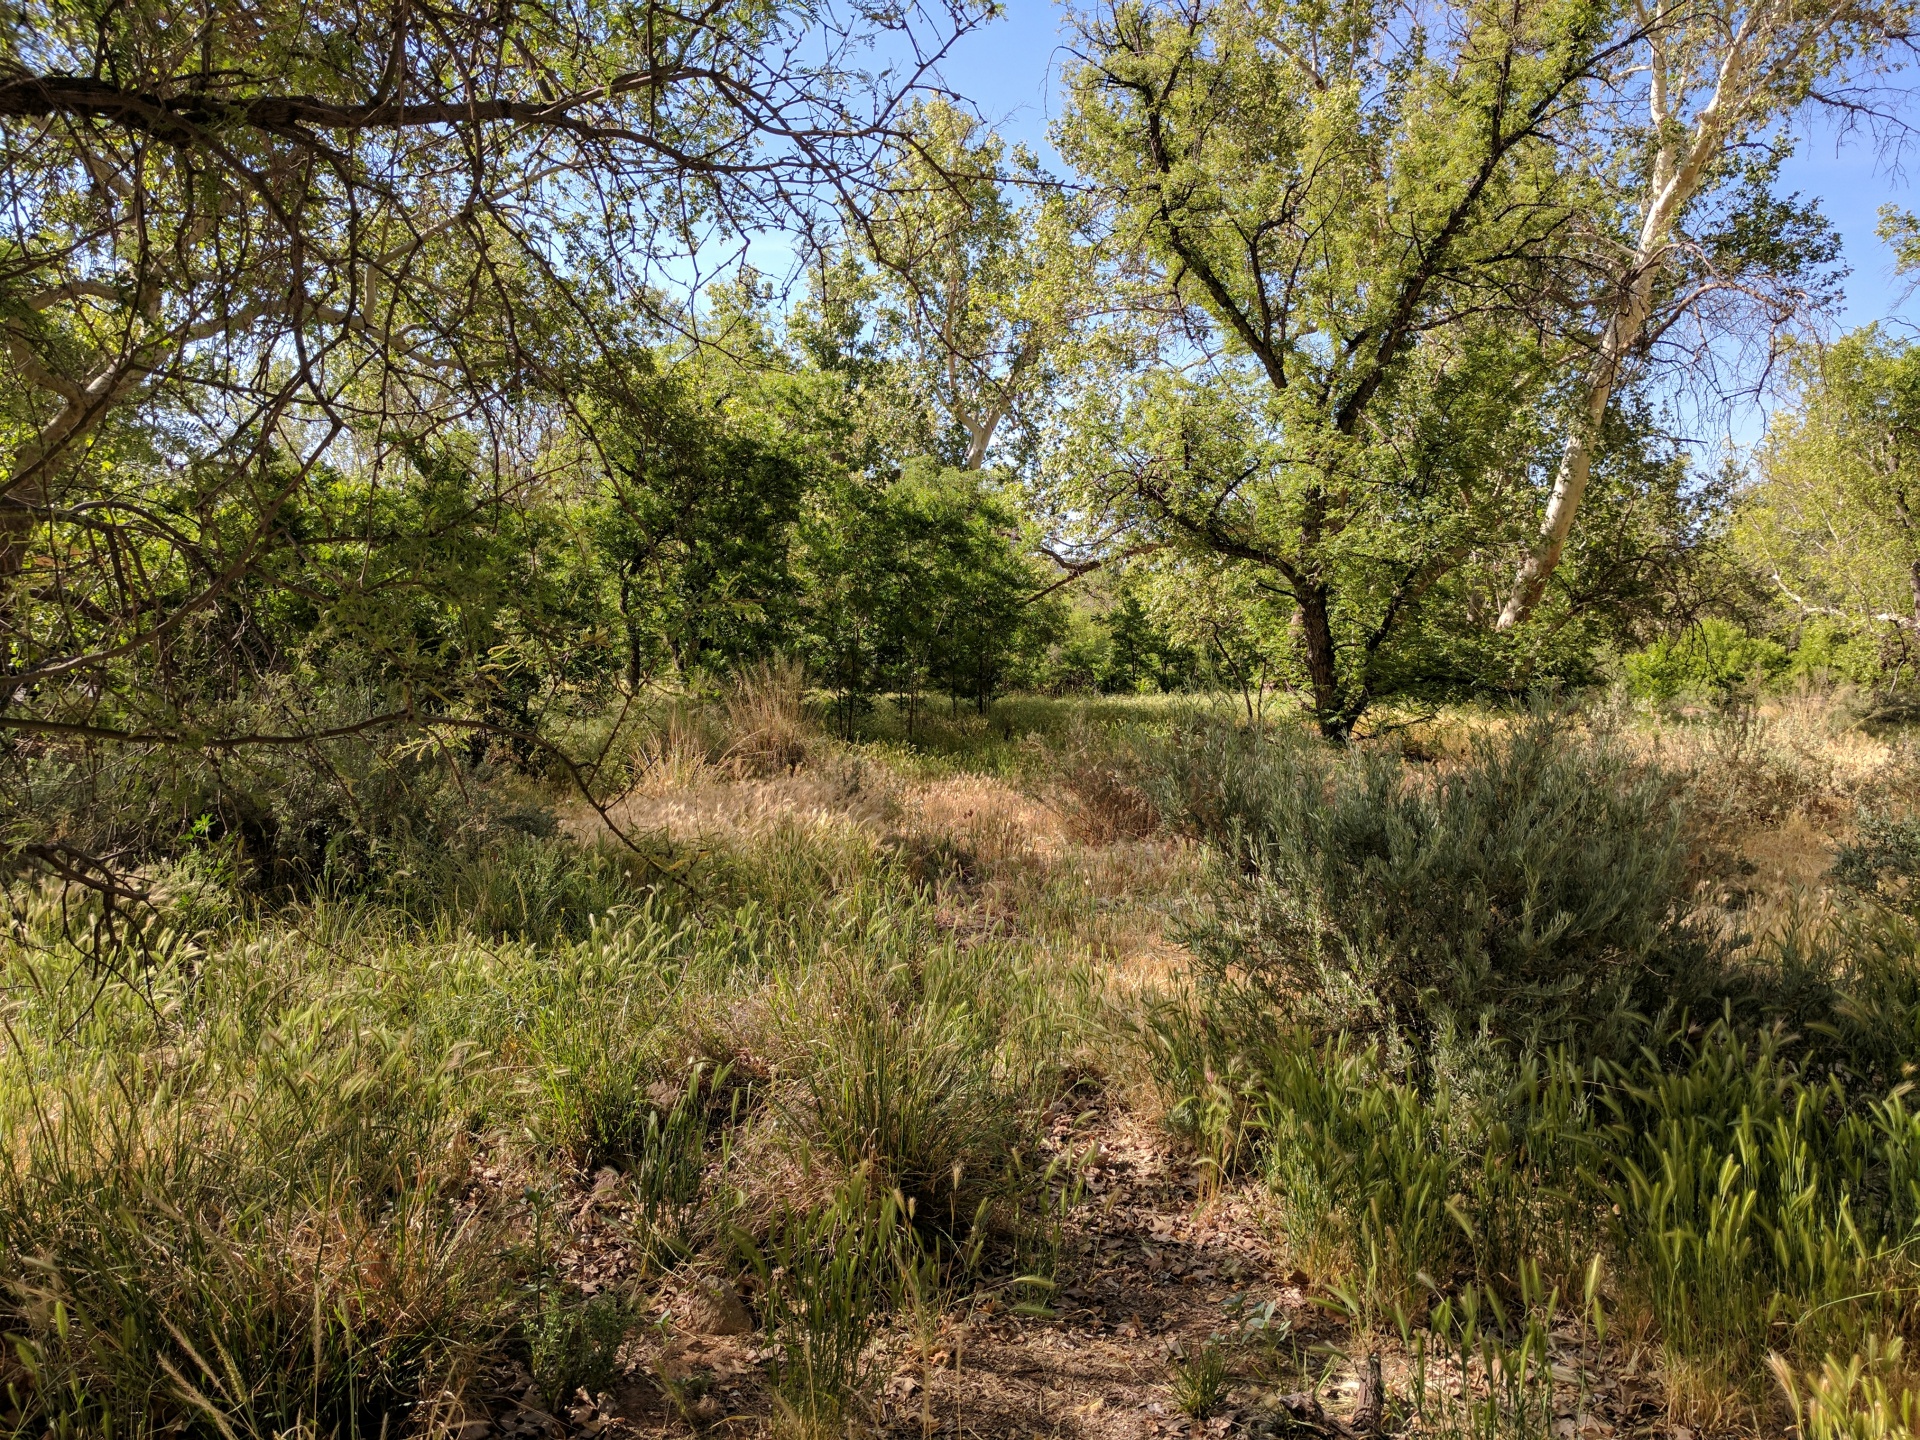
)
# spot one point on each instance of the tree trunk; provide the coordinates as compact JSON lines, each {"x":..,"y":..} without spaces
{"x":1678,"y":171}
{"x":1323,"y":671}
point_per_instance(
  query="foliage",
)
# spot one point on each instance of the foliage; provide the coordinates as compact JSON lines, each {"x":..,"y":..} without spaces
{"x":1828,"y":521}
{"x":922,"y":583}
{"x":1342,"y":439}
{"x":1530,"y":890}
{"x":573,"y":1342}
{"x":1710,"y":659}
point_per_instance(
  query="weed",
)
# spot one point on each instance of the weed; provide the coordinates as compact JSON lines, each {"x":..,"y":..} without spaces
{"x":1200,"y":1381}
{"x":826,"y":1277}
{"x":1478,"y":1374}
{"x":573,"y":1342}
{"x":1851,"y":1399}
{"x":907,"y":1067}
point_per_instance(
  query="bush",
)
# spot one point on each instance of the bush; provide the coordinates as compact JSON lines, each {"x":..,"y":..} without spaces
{"x":573,"y":1343}
{"x":1531,"y":891}
{"x":1710,"y":659}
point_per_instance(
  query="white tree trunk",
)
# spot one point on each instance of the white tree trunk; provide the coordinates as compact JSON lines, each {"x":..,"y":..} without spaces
{"x":1679,"y":167}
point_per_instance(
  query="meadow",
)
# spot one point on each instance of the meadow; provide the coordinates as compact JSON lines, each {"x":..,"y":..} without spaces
{"x":1082,"y":1068}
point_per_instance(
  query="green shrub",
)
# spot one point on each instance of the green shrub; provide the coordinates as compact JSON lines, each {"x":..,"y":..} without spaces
{"x":1709,"y":659}
{"x":574,"y":1341}
{"x":1531,"y":890}
{"x":1829,"y":650}
{"x":1883,"y":858}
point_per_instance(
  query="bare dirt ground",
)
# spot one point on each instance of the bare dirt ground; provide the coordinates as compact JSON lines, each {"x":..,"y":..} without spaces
{"x":1154,"y":1269}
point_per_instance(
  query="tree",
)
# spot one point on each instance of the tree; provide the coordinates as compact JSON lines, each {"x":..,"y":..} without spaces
{"x":1834,"y":519}
{"x":1708,"y":78}
{"x":293,"y":240}
{"x":970,"y":289}
{"x":264,"y":268}
{"x":1341,"y":236}
{"x":925,"y":581}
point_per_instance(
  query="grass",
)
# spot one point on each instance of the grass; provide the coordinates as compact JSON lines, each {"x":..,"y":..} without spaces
{"x":324,"y":1167}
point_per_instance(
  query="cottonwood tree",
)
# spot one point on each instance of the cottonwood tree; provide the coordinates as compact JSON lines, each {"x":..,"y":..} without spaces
{"x":1344,"y":242}
{"x":1695,"y":83}
{"x":972,"y":279}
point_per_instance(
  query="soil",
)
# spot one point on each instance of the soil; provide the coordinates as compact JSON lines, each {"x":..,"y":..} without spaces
{"x":1156,"y":1267}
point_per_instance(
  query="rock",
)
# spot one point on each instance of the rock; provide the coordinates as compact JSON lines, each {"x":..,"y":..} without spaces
{"x":1293,"y":1414}
{"x":717,"y":1310}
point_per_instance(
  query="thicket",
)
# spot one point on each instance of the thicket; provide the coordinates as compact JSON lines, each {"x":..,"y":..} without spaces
{"x":1462,"y":1017}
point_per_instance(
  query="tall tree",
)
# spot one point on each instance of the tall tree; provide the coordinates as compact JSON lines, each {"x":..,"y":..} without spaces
{"x":1834,"y":519}
{"x":1703,"y":79}
{"x":1353,"y":230}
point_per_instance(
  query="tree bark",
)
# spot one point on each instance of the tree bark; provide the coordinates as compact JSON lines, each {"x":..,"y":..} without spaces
{"x":1677,"y":174}
{"x":1323,"y":672}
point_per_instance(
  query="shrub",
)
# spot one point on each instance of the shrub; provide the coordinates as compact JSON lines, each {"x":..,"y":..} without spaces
{"x":1531,"y":890}
{"x":573,"y":1343}
{"x":1709,"y":659}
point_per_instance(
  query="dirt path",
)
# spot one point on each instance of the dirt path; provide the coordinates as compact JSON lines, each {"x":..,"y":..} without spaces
{"x":1152,"y":1269}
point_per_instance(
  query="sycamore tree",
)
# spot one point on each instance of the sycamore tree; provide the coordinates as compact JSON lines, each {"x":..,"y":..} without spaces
{"x":1697,"y":255}
{"x":964,"y":271}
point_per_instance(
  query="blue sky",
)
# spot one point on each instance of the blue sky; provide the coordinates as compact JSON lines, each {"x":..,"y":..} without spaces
{"x":1011,"y":70}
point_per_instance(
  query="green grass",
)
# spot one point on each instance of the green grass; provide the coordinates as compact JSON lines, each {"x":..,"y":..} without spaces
{"x":301,"y":1176}
{"x":309,"y":1169}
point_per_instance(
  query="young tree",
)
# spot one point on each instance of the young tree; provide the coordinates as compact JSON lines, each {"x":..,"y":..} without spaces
{"x":923,"y":582}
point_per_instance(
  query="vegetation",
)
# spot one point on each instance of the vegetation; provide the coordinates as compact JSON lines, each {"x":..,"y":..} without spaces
{"x":1182,"y":762}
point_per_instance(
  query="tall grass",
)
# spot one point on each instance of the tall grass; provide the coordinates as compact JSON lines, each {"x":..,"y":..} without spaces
{"x":310,"y":1171}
